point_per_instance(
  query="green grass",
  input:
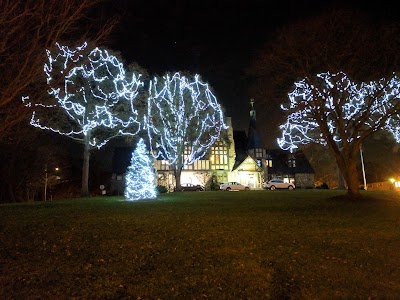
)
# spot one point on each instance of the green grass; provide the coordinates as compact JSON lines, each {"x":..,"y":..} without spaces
{"x":209,"y":245}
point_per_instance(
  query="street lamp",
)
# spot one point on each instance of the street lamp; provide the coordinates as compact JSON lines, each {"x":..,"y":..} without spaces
{"x":46,"y":179}
{"x":363,"y":168}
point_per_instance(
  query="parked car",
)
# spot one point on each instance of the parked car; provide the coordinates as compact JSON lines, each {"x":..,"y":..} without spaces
{"x":234,"y":186}
{"x":189,"y":187}
{"x":278,"y":184}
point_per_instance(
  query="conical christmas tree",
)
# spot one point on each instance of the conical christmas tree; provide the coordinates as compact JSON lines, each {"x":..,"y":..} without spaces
{"x":140,"y":178}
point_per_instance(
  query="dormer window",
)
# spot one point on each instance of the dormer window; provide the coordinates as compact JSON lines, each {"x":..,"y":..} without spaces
{"x":260,"y":153}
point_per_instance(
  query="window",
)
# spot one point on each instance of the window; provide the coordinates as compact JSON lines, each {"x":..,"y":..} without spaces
{"x":259,"y":162}
{"x":163,"y":164}
{"x":257,"y":153}
{"x":202,"y":164}
{"x":219,"y":156}
{"x":188,"y":167}
{"x":260,"y":153}
{"x":292,"y":161}
{"x":268,"y":161}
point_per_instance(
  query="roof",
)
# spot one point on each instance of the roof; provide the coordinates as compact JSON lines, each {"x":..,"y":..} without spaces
{"x":240,"y":139}
{"x":254,"y":140}
{"x":280,"y":162}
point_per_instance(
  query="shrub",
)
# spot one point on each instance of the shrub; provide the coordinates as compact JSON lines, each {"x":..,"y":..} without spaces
{"x":161,"y":189}
{"x":323,"y":186}
{"x":214,"y":186}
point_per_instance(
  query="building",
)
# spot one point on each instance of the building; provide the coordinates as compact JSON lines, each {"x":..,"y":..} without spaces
{"x":255,"y":164}
{"x":235,"y":156}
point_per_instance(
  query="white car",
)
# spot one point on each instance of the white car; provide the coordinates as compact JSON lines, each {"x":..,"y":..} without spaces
{"x":234,"y":186}
{"x":278,"y":184}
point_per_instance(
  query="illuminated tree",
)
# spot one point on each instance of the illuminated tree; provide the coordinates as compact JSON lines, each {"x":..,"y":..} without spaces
{"x":28,"y":28}
{"x":364,"y":47}
{"x":183,"y":120}
{"x":94,"y":95}
{"x":140,"y":179}
{"x":332,"y":110}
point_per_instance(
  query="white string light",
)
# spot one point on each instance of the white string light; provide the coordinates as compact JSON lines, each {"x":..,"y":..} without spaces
{"x":184,"y":119}
{"x":343,"y":106}
{"x":140,"y":177}
{"x":95,"y":93}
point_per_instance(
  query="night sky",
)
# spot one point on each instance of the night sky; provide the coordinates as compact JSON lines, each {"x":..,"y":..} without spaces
{"x":217,"y":39}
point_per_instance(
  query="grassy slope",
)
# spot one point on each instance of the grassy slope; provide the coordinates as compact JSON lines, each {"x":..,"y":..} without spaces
{"x":219,"y":245}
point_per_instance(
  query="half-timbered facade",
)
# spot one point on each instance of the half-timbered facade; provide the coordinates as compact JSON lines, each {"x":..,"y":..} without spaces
{"x":235,"y":156}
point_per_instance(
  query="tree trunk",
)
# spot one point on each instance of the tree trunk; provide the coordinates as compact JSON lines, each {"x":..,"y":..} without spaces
{"x":85,"y":167}
{"x":353,"y":188}
{"x":177,"y":173}
{"x":348,"y":167}
{"x":340,"y":180}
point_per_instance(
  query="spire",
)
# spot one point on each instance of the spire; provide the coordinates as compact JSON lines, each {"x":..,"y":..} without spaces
{"x":254,"y":137}
{"x":252,"y":111}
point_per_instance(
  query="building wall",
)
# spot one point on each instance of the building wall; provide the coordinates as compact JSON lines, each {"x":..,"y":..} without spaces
{"x":216,"y":167}
{"x":248,"y":173}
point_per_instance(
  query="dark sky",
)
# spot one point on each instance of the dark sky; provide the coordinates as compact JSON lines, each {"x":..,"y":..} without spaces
{"x":216,"y":39}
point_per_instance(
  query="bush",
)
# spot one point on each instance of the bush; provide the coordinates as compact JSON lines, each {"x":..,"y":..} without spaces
{"x":323,"y":186}
{"x":214,"y":186}
{"x":162,"y":189}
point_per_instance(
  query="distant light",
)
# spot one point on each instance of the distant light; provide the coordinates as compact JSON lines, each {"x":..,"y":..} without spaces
{"x":391,"y":180}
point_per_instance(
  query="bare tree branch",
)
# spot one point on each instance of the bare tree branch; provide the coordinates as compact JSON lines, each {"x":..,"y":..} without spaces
{"x":27,"y":29}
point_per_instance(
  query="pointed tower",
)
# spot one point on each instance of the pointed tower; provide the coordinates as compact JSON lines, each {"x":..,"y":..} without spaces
{"x":255,"y":145}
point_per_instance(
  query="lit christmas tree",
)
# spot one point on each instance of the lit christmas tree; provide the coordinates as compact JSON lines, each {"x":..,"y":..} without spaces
{"x":184,"y":120}
{"x":92,"y":99}
{"x":140,"y":178}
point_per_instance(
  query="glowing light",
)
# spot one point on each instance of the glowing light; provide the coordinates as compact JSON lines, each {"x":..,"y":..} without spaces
{"x":333,"y":106}
{"x":184,"y":119}
{"x":95,"y":93}
{"x":140,"y":178}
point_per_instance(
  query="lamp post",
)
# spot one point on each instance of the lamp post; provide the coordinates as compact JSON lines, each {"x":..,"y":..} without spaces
{"x":363,"y":168}
{"x":46,"y":181}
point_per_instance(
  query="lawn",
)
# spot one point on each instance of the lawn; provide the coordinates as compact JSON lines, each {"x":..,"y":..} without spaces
{"x":302,"y":244}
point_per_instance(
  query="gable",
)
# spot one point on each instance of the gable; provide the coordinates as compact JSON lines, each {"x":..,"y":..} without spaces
{"x":248,"y":164}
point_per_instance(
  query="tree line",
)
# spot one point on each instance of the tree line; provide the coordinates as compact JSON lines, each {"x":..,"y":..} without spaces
{"x":336,"y":73}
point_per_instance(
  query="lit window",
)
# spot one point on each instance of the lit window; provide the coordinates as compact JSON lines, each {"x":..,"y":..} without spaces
{"x":219,"y":156}
{"x":163,"y":164}
{"x":268,"y":161}
{"x":201,"y":164}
